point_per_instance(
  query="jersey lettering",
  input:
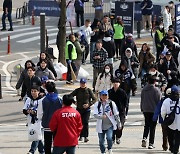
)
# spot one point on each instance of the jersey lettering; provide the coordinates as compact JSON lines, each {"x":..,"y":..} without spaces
{"x":68,"y":115}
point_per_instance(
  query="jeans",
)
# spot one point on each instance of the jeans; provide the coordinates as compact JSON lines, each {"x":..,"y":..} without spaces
{"x":48,"y":138}
{"x":37,"y":144}
{"x":85,"y":121}
{"x":92,"y":48}
{"x":108,"y":133}
{"x":61,"y":150}
{"x":9,"y":19}
{"x":174,"y":140}
{"x":150,"y":127}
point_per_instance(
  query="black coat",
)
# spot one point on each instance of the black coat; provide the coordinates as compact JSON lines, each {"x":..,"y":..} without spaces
{"x":120,"y":98}
{"x":110,"y":48}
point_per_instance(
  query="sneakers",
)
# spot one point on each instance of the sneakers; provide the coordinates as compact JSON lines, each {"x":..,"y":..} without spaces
{"x":143,"y":30}
{"x":110,"y":151}
{"x":86,"y":139}
{"x":143,"y":143}
{"x":151,"y":146}
{"x":118,"y":141}
{"x":69,"y":82}
{"x":80,"y":139}
{"x":165,"y":147}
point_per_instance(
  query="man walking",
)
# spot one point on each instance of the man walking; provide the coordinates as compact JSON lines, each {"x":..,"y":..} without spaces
{"x":7,"y":10}
{"x":150,"y":96}
{"x":85,"y":98}
{"x":67,"y":125}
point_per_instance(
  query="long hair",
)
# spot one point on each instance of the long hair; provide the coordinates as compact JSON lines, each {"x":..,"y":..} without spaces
{"x":103,"y":72}
{"x":148,"y":48}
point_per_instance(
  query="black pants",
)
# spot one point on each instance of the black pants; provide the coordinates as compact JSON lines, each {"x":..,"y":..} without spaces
{"x":150,"y":127}
{"x":118,"y":43}
{"x":69,"y":77}
{"x":118,"y":133}
{"x":78,"y":15}
{"x":85,"y":122}
{"x":48,"y":139}
{"x":165,"y":136}
{"x":174,"y":140}
{"x":85,"y":54}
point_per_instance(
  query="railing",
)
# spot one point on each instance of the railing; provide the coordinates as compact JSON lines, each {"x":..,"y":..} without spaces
{"x":22,"y":12}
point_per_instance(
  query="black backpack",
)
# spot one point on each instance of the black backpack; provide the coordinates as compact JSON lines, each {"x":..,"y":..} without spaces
{"x":110,"y":104}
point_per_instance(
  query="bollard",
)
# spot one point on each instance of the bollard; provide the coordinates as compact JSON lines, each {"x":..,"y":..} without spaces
{"x":33,"y":21}
{"x":0,"y":88}
{"x":138,"y":29}
{"x":9,"y":45}
{"x":42,"y":33}
{"x":23,"y":14}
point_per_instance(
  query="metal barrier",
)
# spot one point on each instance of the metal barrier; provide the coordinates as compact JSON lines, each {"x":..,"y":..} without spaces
{"x":22,"y":12}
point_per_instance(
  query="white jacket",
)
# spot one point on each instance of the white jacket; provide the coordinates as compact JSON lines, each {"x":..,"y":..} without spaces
{"x":87,"y":32}
{"x":166,"y":108}
{"x":104,"y":83}
{"x":108,"y":114}
{"x":167,"y":21}
{"x":29,"y":103}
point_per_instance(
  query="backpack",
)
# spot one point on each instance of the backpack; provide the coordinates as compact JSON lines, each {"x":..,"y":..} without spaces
{"x":110,"y":104}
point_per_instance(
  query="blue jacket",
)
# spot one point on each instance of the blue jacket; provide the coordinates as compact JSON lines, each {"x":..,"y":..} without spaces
{"x":148,"y":9}
{"x":157,"y":112}
{"x":50,"y":104}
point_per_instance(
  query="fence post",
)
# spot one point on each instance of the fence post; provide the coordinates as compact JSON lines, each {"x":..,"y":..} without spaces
{"x":42,"y":32}
{"x":0,"y":88}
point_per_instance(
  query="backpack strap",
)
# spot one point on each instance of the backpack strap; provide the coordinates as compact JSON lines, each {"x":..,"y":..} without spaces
{"x":99,"y":105}
{"x":110,"y":104}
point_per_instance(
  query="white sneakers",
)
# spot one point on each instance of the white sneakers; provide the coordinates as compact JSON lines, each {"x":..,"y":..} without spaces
{"x":110,"y":151}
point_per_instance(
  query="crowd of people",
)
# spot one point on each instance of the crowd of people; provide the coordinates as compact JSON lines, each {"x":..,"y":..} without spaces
{"x":111,"y":89}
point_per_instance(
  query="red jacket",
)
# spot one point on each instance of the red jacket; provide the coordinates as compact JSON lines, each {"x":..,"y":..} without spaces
{"x":67,"y":124}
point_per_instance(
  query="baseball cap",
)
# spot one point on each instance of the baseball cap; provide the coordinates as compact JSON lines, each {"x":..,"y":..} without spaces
{"x":44,"y":79}
{"x":129,"y":35}
{"x":168,"y":53}
{"x":104,"y":92}
{"x":83,"y":80}
{"x":175,"y":89}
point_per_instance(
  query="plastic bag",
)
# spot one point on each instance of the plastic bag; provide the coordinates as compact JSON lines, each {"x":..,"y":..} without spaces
{"x":34,"y":131}
{"x":60,"y":70}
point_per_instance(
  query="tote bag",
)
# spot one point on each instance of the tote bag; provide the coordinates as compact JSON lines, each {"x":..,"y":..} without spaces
{"x":34,"y":131}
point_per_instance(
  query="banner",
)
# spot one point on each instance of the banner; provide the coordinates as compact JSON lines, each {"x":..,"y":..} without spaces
{"x":177,"y":18}
{"x":125,"y":10}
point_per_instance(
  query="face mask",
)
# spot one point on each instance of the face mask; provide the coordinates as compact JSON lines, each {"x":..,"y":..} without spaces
{"x":107,"y":70}
{"x":129,"y":40}
{"x":161,"y":26}
{"x":152,"y":73}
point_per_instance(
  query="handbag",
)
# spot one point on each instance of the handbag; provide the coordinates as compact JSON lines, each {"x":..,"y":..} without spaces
{"x":34,"y":131}
{"x":169,"y":118}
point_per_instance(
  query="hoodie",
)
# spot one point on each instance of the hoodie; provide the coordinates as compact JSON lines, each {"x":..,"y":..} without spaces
{"x":50,"y":104}
{"x":150,"y":96}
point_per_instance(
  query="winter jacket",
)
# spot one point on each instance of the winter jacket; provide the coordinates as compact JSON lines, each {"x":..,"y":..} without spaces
{"x":120,"y":98}
{"x":167,"y":108}
{"x":79,"y":50}
{"x":150,"y":96}
{"x":109,"y":46}
{"x":28,"y":83}
{"x":22,"y":78}
{"x":147,"y":10}
{"x":98,"y":33}
{"x":50,"y":104}
{"x":79,"y":6}
{"x":44,"y":72}
{"x":84,"y":96}
{"x":145,"y":60}
{"x":50,"y":67}
{"x":172,"y":67}
{"x":108,"y":112}
{"x":104,"y":83}
{"x":66,"y":123}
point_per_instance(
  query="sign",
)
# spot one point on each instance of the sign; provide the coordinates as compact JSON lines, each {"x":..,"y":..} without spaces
{"x":50,"y":8}
{"x":177,"y":18}
{"x":125,"y":10}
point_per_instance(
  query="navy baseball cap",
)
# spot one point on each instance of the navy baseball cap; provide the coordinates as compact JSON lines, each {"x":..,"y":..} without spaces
{"x":44,"y":79}
{"x":104,"y":92}
{"x":83,"y":80}
{"x":175,"y":89}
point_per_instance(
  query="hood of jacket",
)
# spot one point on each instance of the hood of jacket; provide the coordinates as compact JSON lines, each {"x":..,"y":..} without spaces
{"x":52,"y":96}
{"x":107,"y":39}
